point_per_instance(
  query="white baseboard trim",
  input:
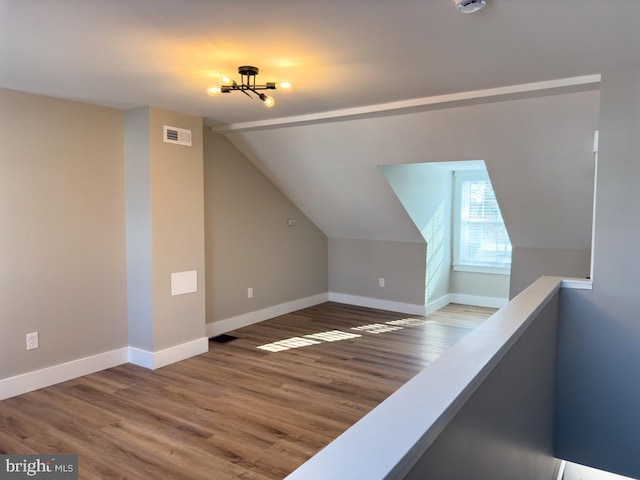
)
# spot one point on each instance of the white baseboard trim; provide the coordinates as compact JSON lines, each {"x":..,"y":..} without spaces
{"x":477,"y":300}
{"x":438,"y":303}
{"x":233,"y":323}
{"x":30,"y":381}
{"x":161,"y":358}
{"x":409,"y":308}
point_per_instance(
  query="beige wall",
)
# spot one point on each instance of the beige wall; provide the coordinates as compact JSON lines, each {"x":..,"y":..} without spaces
{"x":177,"y":206}
{"x":165,"y":229}
{"x":248,"y":242}
{"x":355,"y":267}
{"x":62,"y":231}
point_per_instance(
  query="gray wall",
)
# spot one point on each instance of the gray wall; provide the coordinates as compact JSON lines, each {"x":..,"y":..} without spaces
{"x":425,"y":192}
{"x":598,"y":419}
{"x":532,"y":263}
{"x":481,"y":284}
{"x":505,"y":430}
{"x":356,"y":265}
{"x":248,"y":241}
{"x":538,"y":151}
{"x":62,"y":231}
{"x":138,"y":219}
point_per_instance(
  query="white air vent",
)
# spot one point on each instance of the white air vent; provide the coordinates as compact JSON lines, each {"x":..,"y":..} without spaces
{"x":176,"y":135}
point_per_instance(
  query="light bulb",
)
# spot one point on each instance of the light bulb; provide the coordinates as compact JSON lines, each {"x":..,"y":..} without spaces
{"x":225,"y":80}
{"x":285,"y":85}
{"x":213,"y":90}
{"x":269,"y":101}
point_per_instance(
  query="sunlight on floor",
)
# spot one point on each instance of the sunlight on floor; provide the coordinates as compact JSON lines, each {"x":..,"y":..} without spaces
{"x":336,"y":335}
{"x":376,"y":328}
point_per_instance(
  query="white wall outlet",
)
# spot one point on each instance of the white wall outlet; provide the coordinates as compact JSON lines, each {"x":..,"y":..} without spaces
{"x":381,"y":282}
{"x":291,"y":222}
{"x":250,"y":292}
{"x":32,"y":341}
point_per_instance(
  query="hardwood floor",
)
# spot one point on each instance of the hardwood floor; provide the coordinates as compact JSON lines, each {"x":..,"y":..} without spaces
{"x":238,"y":411}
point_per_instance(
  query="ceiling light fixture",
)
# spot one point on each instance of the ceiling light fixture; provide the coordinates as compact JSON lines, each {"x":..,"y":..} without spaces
{"x":248,"y":85}
{"x":470,"y":6}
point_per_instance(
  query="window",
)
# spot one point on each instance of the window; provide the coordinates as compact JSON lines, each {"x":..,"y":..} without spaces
{"x":481,"y":242}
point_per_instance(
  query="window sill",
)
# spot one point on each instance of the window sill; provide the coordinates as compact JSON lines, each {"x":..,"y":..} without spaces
{"x":482,"y":269}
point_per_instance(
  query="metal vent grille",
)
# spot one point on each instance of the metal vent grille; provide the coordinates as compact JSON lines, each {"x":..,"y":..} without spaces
{"x":179,"y":136}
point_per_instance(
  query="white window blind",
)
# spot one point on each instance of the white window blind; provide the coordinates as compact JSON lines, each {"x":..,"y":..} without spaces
{"x":481,"y":236}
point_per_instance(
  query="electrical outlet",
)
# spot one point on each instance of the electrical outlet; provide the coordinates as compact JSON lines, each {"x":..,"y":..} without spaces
{"x":250,"y":292}
{"x":32,"y":341}
{"x":381,"y":282}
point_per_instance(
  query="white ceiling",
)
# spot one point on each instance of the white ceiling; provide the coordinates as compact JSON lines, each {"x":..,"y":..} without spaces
{"x":338,"y":54}
{"x":344,"y":55}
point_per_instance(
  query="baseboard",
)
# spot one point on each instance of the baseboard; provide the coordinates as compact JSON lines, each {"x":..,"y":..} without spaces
{"x":408,"y":308}
{"x":437,"y":304}
{"x":30,"y":381}
{"x":477,"y":300}
{"x":233,"y":323}
{"x":161,"y":358}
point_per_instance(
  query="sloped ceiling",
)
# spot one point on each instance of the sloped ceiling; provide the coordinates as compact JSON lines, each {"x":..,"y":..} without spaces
{"x":539,"y":153}
{"x":350,"y":54}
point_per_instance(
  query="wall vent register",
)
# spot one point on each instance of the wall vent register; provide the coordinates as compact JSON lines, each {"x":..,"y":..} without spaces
{"x":179,"y":136}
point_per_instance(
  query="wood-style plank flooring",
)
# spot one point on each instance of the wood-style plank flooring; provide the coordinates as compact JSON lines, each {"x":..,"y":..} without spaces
{"x":236,"y":412}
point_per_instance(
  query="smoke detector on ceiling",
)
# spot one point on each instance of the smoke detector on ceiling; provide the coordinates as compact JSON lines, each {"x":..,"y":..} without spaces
{"x":470,"y":6}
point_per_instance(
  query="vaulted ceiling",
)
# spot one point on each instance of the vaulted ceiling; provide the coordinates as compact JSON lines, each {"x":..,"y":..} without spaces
{"x":346,"y":58}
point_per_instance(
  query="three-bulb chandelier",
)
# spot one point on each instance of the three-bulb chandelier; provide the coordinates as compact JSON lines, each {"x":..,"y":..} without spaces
{"x":248,"y":85}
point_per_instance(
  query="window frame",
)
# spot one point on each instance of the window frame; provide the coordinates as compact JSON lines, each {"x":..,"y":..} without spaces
{"x":459,"y":177}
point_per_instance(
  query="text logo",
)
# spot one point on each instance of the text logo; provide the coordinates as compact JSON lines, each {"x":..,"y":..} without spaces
{"x":50,"y":467}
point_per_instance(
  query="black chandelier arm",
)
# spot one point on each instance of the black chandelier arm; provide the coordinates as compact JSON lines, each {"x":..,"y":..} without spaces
{"x":244,"y":86}
{"x":244,"y":90}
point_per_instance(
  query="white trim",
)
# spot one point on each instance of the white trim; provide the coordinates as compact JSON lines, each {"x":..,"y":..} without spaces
{"x":477,"y":300}
{"x":596,"y":143}
{"x":167,"y":356}
{"x":30,"y":381}
{"x":228,"y":324}
{"x":577,"y":283}
{"x":563,"y":464}
{"x":482,"y":269}
{"x":378,"y":303}
{"x":437,"y":304}
{"x":413,"y":309}
{"x":405,"y":105}
{"x":142,"y":358}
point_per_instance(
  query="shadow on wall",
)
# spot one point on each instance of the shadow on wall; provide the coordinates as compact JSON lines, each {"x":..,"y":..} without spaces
{"x":434,"y":234}
{"x":425,"y":190}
